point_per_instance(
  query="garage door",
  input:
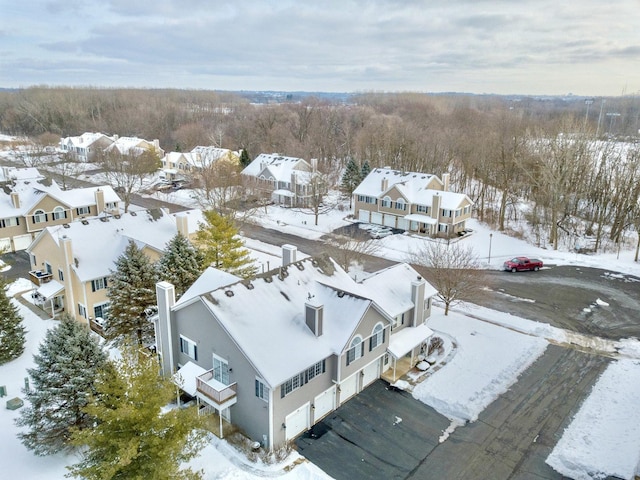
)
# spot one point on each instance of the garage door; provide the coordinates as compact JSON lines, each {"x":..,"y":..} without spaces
{"x":376,"y":217}
{"x":403,"y":224}
{"x":297,"y":422}
{"x":363,"y":216}
{"x":324,"y":404}
{"x":349,"y":387}
{"x":370,"y":373}
{"x":21,"y":242}
{"x":390,"y":220}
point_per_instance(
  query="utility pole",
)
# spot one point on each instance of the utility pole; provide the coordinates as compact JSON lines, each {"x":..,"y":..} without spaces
{"x":600,"y":117}
{"x":588,"y":103}
{"x":612,"y":115}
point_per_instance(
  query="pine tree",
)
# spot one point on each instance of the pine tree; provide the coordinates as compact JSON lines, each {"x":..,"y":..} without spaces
{"x":222,"y":248}
{"x":131,"y":291}
{"x":350,"y":179}
{"x":181,"y":264}
{"x":365,"y":170}
{"x":133,"y":437}
{"x":66,"y":365}
{"x":12,"y":332}
{"x":245,"y":160}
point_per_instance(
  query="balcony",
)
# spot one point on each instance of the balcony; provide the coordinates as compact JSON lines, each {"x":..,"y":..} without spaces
{"x":40,"y":277}
{"x":219,"y":395}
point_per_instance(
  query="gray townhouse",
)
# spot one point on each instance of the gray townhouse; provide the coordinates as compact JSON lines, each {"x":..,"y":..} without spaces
{"x":275,"y":354}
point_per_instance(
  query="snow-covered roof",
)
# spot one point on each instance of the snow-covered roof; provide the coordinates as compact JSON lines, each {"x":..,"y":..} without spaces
{"x":400,"y":343}
{"x":275,"y":165}
{"x":98,"y":242}
{"x":133,"y":145}
{"x":211,"y":279}
{"x":85,"y":140}
{"x":10,"y":174}
{"x":199,"y":157}
{"x":185,"y":377}
{"x":412,"y":185}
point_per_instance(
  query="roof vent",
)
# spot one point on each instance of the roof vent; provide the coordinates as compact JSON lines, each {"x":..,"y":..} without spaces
{"x":300,"y":266}
{"x":340,"y":294}
{"x":104,"y":219}
{"x":268,"y":279}
{"x":117,"y":216}
{"x":133,"y":214}
{"x":228,"y":293}
{"x":85,"y":222}
{"x":66,"y":225}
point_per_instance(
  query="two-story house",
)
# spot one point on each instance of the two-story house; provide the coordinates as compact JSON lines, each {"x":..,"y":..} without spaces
{"x":416,"y":202}
{"x":289,"y":181}
{"x":134,"y":146}
{"x":180,"y":165}
{"x":86,"y":147}
{"x":29,"y":206}
{"x":71,"y":264}
{"x":275,"y":354}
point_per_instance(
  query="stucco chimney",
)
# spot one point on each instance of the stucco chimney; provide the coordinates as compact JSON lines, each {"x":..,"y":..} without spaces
{"x":289,"y":253}
{"x":182,"y":223}
{"x":67,"y":264}
{"x":445,"y":181}
{"x":313,"y":317}
{"x":417,"y":297}
{"x":15,"y":199}
{"x":435,"y":206}
{"x":99,"y":195}
{"x":166,"y":297}
{"x":384,"y":184}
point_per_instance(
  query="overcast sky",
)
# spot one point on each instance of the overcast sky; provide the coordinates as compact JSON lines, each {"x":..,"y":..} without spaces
{"x":584,"y":47}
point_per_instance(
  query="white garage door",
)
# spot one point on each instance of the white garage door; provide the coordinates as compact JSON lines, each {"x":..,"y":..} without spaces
{"x":376,"y":217}
{"x":297,"y":421}
{"x":390,"y":220}
{"x":21,"y":242}
{"x":324,"y":403}
{"x":370,"y":373}
{"x":403,"y":224}
{"x":349,"y":387}
{"x":363,"y":216}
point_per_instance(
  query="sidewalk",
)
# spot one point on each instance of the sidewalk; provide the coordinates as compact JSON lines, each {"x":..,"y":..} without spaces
{"x":36,"y":310}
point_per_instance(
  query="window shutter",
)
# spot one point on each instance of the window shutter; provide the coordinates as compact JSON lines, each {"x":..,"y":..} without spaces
{"x":46,"y":217}
{"x":17,"y":220}
{"x":93,"y":289}
{"x":383,"y":333}
{"x":362,"y":349}
{"x":195,"y":352}
{"x":371,"y":342}
{"x":257,"y":388}
{"x":324,"y":369}
{"x":282,"y":391}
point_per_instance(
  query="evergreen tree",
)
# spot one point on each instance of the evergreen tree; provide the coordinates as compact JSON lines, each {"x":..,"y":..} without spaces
{"x":222,"y":248}
{"x":131,"y":291}
{"x":350,"y":179}
{"x":66,"y":365}
{"x":181,"y":264}
{"x":12,"y":332}
{"x":134,"y":437}
{"x":365,"y":170}
{"x":245,"y":160}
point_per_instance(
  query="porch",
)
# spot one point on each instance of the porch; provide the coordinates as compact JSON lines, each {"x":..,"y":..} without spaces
{"x":402,"y":366}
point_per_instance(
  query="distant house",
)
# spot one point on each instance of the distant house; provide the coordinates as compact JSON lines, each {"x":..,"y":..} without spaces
{"x":412,"y":201}
{"x":71,"y":264}
{"x":179,"y":165}
{"x":287,"y":181}
{"x":276,"y":354}
{"x":85,"y":147}
{"x":29,"y":205}
{"x":134,"y":146}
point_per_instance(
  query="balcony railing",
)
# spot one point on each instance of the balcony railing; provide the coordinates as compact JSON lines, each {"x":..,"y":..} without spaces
{"x":214,"y":390}
{"x":40,"y":277}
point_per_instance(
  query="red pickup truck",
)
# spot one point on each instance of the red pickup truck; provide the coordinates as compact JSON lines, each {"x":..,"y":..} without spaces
{"x":519,"y":264}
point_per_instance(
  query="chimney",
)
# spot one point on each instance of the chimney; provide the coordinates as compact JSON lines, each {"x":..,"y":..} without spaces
{"x":182,"y":223}
{"x":67,"y":262}
{"x":15,"y":199}
{"x":314,"y":164}
{"x":313,"y":316}
{"x":156,"y":143}
{"x":445,"y":181}
{"x":417,"y":297}
{"x":99,"y":196}
{"x":384,"y":184}
{"x":435,"y":206}
{"x":289,"y":253}
{"x":165,"y":294}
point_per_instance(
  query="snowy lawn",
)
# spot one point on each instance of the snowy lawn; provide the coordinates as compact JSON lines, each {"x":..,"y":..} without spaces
{"x":487,"y":361}
{"x":604,"y":437}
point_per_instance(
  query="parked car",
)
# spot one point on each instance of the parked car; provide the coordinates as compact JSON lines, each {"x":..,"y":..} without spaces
{"x":380,"y":232}
{"x":520,"y":264}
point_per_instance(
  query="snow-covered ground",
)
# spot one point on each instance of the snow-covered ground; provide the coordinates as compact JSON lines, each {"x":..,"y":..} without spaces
{"x":603,"y":438}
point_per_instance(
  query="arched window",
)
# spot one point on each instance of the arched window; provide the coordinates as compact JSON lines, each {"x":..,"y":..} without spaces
{"x":386,"y":202}
{"x":59,"y":213}
{"x":356,"y":350}
{"x":400,"y":205}
{"x":39,"y":216}
{"x":377,"y":337}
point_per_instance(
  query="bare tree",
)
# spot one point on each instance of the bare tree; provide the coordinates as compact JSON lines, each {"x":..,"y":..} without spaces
{"x":452,"y":269}
{"x":218,"y":185}
{"x":350,"y":250}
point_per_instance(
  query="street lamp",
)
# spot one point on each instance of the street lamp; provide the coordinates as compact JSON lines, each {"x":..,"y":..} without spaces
{"x":490,"y":238}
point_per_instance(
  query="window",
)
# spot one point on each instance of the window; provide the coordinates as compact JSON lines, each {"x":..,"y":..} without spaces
{"x":366,"y":199}
{"x":446,"y":213}
{"x":220,"y":370}
{"x":82,"y":210}
{"x":456,"y":213}
{"x":356,"y":350}
{"x":82,"y":311}
{"x":398,"y":321}
{"x":188,"y":347}
{"x":386,"y":202}
{"x":422,"y":209}
{"x":261,"y":390}
{"x":466,"y":210}
{"x":400,"y":205}
{"x":9,"y":222}
{"x":59,"y":213}
{"x":302,"y":378}
{"x":377,"y":338}
{"x":98,"y":284}
{"x":443,"y":227}
{"x":60,"y":275}
{"x":39,"y":216}
{"x":101,"y":310}
{"x":111,"y":205}
{"x":47,"y":267}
